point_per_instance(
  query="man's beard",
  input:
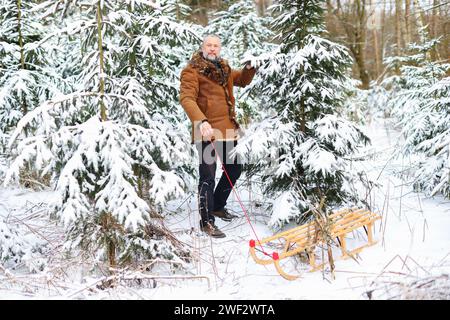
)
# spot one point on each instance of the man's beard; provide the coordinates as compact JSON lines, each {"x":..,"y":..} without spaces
{"x":211,"y":57}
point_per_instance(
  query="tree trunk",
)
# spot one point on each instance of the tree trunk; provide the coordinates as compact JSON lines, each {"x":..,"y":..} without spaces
{"x":377,"y":53}
{"x":443,"y":17}
{"x":360,"y":44}
{"x":302,"y":115}
{"x":420,"y":19}
{"x":407,"y":24}
{"x":382,"y":41}
{"x":112,"y":254}
{"x":107,"y":224}
{"x":373,"y":24}
{"x":262,"y":6}
{"x":22,"y":54}
{"x":421,"y":24}
{"x":101,"y":62}
{"x":363,"y":74}
{"x":354,"y":23}
{"x":398,"y":32}
{"x":434,"y":33}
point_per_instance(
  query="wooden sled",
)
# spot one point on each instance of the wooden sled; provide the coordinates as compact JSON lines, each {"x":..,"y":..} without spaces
{"x":319,"y":231}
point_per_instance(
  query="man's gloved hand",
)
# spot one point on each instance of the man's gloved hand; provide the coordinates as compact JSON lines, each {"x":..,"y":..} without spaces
{"x":206,"y":130}
{"x":249,"y":61}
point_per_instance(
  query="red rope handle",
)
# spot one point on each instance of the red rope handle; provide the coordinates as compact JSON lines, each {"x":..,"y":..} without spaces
{"x":252,"y":242}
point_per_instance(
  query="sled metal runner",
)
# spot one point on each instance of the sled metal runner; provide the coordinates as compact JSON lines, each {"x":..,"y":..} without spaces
{"x":317,"y":232}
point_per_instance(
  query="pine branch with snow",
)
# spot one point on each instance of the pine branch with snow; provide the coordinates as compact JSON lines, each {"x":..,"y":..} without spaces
{"x":11,"y":244}
{"x":26,"y":77}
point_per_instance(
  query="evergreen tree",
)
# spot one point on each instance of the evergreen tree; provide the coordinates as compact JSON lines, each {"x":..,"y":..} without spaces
{"x":421,"y":107}
{"x":241,"y":30}
{"x":302,"y":152}
{"x":355,"y":107}
{"x":20,"y":248}
{"x":25,"y":76}
{"x":113,"y":146}
{"x":176,"y":9}
{"x":11,"y":245}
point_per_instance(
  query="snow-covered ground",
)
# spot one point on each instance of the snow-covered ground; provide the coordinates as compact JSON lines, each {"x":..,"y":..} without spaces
{"x":412,"y":252}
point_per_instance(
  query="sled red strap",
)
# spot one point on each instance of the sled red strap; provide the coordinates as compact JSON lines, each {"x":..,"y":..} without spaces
{"x":252,"y":243}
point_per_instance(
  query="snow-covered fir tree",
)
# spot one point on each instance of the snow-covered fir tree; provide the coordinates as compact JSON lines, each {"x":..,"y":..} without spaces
{"x":176,"y":9}
{"x":243,"y":33}
{"x":114,"y":146}
{"x":421,"y":106}
{"x":11,"y":245}
{"x":241,"y":30}
{"x":355,"y":107}
{"x":19,"y":247}
{"x":302,"y":153}
{"x":25,"y":76}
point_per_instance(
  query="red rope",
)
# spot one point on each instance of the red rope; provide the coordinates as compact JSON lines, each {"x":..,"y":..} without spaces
{"x":242,"y":206}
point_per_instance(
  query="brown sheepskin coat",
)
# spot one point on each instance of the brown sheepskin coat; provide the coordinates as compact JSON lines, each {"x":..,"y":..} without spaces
{"x":206,"y":93}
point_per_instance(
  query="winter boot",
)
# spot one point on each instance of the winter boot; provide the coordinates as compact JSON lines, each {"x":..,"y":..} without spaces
{"x":211,"y":229}
{"x":223,"y":214}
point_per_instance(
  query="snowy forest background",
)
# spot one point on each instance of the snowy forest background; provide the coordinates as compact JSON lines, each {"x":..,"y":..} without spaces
{"x":98,"y":194}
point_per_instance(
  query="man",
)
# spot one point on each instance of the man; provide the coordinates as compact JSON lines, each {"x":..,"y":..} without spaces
{"x":206,"y":94}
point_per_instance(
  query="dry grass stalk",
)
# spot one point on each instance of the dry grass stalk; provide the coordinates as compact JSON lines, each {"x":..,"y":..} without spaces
{"x":415,"y":283}
{"x":33,"y":180}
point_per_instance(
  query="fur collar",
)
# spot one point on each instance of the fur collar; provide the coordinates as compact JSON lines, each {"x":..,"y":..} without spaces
{"x":209,"y":69}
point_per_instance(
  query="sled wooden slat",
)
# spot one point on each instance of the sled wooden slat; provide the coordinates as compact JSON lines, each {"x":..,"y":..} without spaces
{"x":317,"y":232}
{"x":301,"y":228}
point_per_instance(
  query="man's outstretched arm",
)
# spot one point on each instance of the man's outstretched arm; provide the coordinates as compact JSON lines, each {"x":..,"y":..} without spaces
{"x":242,"y":78}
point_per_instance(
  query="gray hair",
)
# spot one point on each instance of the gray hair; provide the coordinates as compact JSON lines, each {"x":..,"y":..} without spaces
{"x":211,"y":35}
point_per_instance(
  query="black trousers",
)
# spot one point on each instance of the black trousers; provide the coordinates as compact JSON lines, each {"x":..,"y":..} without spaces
{"x":211,"y":199}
